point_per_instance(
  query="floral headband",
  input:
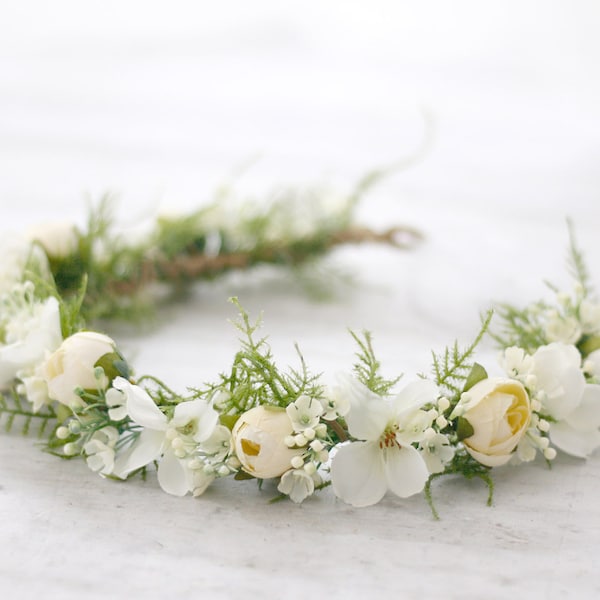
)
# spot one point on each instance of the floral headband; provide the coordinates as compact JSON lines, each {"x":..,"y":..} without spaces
{"x":363,"y":436}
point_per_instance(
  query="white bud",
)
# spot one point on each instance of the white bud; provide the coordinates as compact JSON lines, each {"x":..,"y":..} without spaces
{"x":543,"y":425}
{"x":317,"y":445}
{"x":441,"y":422}
{"x":321,"y":430}
{"x":290,"y":441}
{"x":180,"y":453}
{"x":443,"y":404}
{"x":297,"y":462}
{"x":310,"y":468}
{"x":530,"y":381}
{"x":62,"y":433}
{"x":309,"y":434}
{"x":223,"y":471}
{"x":549,"y":453}
{"x":300,"y":440}
{"x":71,"y":449}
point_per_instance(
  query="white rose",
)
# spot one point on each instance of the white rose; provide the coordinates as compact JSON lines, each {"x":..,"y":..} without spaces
{"x":72,"y":366}
{"x":499,"y":412}
{"x":58,"y":240}
{"x":259,"y":442}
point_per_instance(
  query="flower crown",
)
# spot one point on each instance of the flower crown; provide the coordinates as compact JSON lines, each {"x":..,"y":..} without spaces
{"x":361,"y":435}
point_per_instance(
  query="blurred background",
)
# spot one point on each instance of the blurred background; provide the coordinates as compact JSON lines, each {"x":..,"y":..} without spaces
{"x":162,"y":103}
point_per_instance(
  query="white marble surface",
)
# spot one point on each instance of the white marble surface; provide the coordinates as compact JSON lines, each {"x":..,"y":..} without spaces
{"x":160,"y":102}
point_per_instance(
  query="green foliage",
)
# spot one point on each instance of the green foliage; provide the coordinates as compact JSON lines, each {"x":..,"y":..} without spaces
{"x":16,"y":410}
{"x":462,"y":464}
{"x":368,"y":367}
{"x":255,"y":379}
{"x":451,"y":368}
{"x":576,"y":263}
{"x":522,"y":327}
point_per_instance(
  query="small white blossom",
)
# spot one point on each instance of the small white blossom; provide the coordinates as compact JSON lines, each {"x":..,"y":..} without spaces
{"x":297,"y":484}
{"x":100,"y":450}
{"x":384,"y":457}
{"x":437,"y":452}
{"x":573,"y":404}
{"x":336,"y":400}
{"x":172,"y":441}
{"x":117,"y":404}
{"x":516,"y":363}
{"x":304,"y":413}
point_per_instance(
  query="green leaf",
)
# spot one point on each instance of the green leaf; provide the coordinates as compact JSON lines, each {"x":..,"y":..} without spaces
{"x":589,"y":344}
{"x":477,"y":374}
{"x":464,"y":429}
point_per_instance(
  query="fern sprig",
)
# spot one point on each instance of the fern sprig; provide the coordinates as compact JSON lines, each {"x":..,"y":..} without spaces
{"x":451,"y":368}
{"x":367,"y":368}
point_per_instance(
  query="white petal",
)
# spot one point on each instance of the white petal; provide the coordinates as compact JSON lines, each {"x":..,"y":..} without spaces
{"x":358,"y":475}
{"x":405,"y":471}
{"x":574,"y":441}
{"x":415,"y":395}
{"x":202,"y":412}
{"x":140,"y":406}
{"x":173,"y":477}
{"x":489,"y":460}
{"x":144,"y":450}
{"x":586,"y":417}
{"x":369,"y":415}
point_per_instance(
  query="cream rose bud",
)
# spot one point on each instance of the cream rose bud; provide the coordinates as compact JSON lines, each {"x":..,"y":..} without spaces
{"x":258,"y":439}
{"x":73,"y":366}
{"x":499,"y":412}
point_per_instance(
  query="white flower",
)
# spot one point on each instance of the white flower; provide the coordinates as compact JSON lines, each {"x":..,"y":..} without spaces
{"x":336,"y":400}
{"x":58,"y":240}
{"x":174,"y":440}
{"x":573,"y":404}
{"x":516,"y":363}
{"x":297,"y":484}
{"x":31,"y":329}
{"x":304,"y":413}
{"x":100,"y":450}
{"x":117,"y":404}
{"x":259,"y":439}
{"x":72,"y":366}
{"x":362,"y":472}
{"x":436,"y":451}
{"x":589,"y":314}
{"x":563,"y":329}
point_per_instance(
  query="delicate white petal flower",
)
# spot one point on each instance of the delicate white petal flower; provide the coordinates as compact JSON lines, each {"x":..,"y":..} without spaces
{"x":200,"y":481}
{"x":140,"y":406}
{"x":437,"y":452}
{"x":146,"y":448}
{"x":31,"y":329}
{"x":173,"y":476}
{"x":336,"y":400}
{"x":34,"y":388}
{"x":557,"y":368}
{"x":579,"y":433}
{"x":117,"y":404}
{"x":362,"y":471}
{"x":516,"y":363}
{"x":297,"y":484}
{"x":304,"y":413}
{"x":100,"y":450}
{"x":219,"y":445}
{"x":405,"y":471}
{"x":358,"y":475}
{"x":197,"y":418}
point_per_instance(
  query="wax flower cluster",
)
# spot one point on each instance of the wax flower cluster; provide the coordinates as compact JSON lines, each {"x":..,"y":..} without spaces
{"x":362,"y":434}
